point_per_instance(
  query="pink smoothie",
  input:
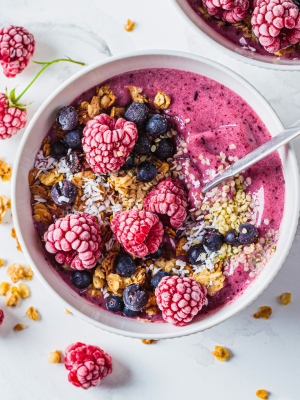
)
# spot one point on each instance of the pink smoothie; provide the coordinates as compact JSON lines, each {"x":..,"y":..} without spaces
{"x":209,"y":118}
{"x":237,"y":37}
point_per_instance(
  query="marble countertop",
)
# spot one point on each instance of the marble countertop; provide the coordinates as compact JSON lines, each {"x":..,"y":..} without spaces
{"x":265,"y":353}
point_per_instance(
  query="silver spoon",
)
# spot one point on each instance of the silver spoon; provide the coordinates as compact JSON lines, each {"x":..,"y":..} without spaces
{"x":256,"y":155}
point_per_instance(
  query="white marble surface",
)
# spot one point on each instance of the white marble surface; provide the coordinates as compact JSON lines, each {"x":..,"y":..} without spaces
{"x":265,"y":353}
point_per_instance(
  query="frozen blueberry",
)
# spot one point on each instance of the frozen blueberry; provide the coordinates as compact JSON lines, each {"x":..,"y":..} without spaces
{"x":67,"y":118}
{"x":64,"y":193}
{"x":81,"y":279}
{"x":143,"y":145}
{"x":157,"y":254}
{"x":73,"y":139}
{"x":130,"y":313}
{"x":58,"y":150}
{"x":158,"y":277}
{"x":129,"y":163}
{"x":137,"y":113}
{"x":125,"y":265}
{"x":248,"y":233}
{"x":146,"y":171}
{"x":213,"y":240}
{"x":115,"y":304}
{"x":164,"y":149}
{"x":232,"y":237}
{"x":156,"y":125}
{"x":135,"y":297}
{"x":195,"y":252}
{"x":73,"y":162}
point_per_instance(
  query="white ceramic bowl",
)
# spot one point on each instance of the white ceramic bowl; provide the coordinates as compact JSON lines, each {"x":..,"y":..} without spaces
{"x":220,"y":43}
{"x":38,"y":128}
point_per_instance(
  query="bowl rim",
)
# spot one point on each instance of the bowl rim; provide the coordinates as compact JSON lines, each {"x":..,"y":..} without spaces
{"x":228,"y":52}
{"x":193,"y":328}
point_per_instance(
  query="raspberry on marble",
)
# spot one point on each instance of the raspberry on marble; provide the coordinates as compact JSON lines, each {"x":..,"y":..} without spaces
{"x":87,"y":364}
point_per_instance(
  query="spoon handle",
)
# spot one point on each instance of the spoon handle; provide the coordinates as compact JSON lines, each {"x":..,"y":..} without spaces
{"x":262,"y":151}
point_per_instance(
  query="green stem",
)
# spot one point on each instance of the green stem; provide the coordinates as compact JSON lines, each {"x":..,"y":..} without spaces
{"x":47,"y":64}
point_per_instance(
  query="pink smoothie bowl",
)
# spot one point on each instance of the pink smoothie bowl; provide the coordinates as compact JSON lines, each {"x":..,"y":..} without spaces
{"x":30,"y":144}
{"x":220,"y":43}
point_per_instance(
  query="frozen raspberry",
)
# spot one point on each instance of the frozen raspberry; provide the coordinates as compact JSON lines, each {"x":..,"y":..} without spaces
{"x":12,"y":119}
{"x":76,"y":240}
{"x":107,"y":142}
{"x":180,"y":299}
{"x":87,"y":364}
{"x":17,"y":46}
{"x":169,"y":198}
{"x":1,"y":316}
{"x":139,"y":232}
{"x":276,"y":23}
{"x":228,"y":10}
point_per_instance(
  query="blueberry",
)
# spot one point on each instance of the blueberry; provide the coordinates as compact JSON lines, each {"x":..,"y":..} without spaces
{"x":158,"y":277}
{"x":232,"y":238}
{"x":81,"y":279}
{"x":130,"y":313}
{"x":73,"y":162}
{"x":125,"y":265}
{"x":156,"y":125}
{"x":73,"y":139}
{"x":115,"y":304}
{"x":137,"y":113}
{"x":67,"y":118}
{"x":248,"y":233}
{"x":157,"y":254}
{"x":195,"y":252}
{"x":63,"y":193}
{"x":58,"y":150}
{"x":213,"y":240}
{"x":164,"y":149}
{"x":143,"y":145}
{"x":129,"y":163}
{"x":146,"y":171}
{"x":135,"y":297}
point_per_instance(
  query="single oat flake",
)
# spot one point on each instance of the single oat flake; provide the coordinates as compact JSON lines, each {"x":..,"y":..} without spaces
{"x":32,"y":313}
{"x":262,"y":394}
{"x":221,"y":353}
{"x":4,"y":205}
{"x":145,"y":341}
{"x":5,"y":171}
{"x":19,"y":327}
{"x":1,"y":262}
{"x":54,"y":357}
{"x":263,"y":312}
{"x":285,"y":298}
{"x":129,"y":25}
{"x":24,"y":290}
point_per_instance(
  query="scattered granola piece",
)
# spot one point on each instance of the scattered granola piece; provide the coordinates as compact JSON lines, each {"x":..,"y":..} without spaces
{"x":14,"y":235}
{"x":145,"y":341}
{"x":67,"y":311}
{"x":5,"y":171}
{"x":46,"y":148}
{"x":19,"y":327}
{"x":263,"y":312}
{"x":54,"y":357}
{"x":1,"y":262}
{"x":4,"y":205}
{"x":16,"y":272}
{"x":162,"y":101}
{"x":32,"y":313}
{"x":129,"y":26}
{"x":51,"y":178}
{"x":82,"y":112}
{"x":144,"y":320}
{"x":221,"y":353}
{"x":117,"y":112}
{"x":23,"y":290}
{"x":12,"y":296}
{"x":286,"y":298}
{"x":179,"y":247}
{"x":136,"y":95}
{"x":4,"y":288}
{"x":170,"y":232}
{"x":262,"y":394}
{"x":41,"y":213}
{"x":106,"y":97}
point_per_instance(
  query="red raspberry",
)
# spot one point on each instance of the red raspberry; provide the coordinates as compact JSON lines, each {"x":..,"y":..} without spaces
{"x":276,"y":23}
{"x":180,"y":299}
{"x":1,"y":316}
{"x":139,"y":232}
{"x":87,"y":364}
{"x":228,"y":10}
{"x":107,"y":143}
{"x":168,"y":197}
{"x":12,"y":119}
{"x":17,"y":46}
{"x":76,"y":240}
